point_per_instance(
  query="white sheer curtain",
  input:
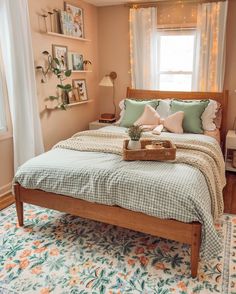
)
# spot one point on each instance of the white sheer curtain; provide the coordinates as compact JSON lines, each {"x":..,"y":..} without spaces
{"x":3,"y":121}
{"x":15,"y":37}
{"x":211,"y":42}
{"x":143,"y":47}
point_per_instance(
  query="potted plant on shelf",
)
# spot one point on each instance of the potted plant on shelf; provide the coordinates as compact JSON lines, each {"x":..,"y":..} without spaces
{"x":135,"y":133}
{"x":87,"y":64}
{"x":54,"y":66}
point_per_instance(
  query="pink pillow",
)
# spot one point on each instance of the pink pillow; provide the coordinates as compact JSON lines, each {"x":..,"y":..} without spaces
{"x":173,"y":123}
{"x":149,"y":117}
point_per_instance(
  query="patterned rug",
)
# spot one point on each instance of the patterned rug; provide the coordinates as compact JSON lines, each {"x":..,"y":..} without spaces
{"x":59,"y":253}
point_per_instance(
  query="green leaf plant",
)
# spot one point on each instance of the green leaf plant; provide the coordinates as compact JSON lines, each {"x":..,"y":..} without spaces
{"x":55,"y":66}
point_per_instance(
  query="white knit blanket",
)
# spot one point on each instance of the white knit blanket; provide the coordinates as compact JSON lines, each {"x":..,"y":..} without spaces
{"x":206,"y":156}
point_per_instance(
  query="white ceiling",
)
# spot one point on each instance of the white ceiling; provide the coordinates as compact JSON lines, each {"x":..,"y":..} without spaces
{"x":110,"y":2}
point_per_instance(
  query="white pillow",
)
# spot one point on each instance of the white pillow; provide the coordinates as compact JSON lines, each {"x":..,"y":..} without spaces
{"x":164,"y":108}
{"x":209,"y":115}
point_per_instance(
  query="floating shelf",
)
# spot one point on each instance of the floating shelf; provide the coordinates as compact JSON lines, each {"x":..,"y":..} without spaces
{"x":68,"y":105}
{"x":67,"y":37}
{"x":80,"y":71}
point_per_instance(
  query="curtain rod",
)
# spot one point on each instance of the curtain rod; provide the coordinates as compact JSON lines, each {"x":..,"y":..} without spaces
{"x":158,"y":2}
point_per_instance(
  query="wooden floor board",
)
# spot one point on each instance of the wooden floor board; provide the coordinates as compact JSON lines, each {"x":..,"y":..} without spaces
{"x":6,"y":200}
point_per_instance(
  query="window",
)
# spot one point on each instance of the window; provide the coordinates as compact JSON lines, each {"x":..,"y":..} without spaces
{"x":176,"y":55}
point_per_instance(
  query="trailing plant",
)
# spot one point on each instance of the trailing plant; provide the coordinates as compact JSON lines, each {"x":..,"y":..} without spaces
{"x":55,"y":66}
{"x":135,"y":133}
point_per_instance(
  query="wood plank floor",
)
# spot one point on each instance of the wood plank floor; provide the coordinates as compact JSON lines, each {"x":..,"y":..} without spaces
{"x":6,"y":200}
{"x":229,"y":196}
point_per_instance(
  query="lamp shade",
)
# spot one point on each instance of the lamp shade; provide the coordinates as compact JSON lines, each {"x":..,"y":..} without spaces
{"x":106,"y":82}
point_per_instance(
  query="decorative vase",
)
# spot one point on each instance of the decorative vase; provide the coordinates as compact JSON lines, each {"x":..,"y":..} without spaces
{"x":65,"y":98}
{"x":134,"y":145}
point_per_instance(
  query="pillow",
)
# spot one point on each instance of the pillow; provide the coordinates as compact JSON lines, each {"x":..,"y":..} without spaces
{"x":134,"y":109}
{"x":164,"y":108}
{"x":209,"y":116}
{"x":193,"y":111}
{"x":174,"y":122}
{"x":149,"y":117}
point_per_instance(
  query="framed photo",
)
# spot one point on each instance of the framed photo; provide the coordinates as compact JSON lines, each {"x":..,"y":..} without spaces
{"x":66,"y":23}
{"x":80,"y":84}
{"x":77,"y":15}
{"x":60,"y":52}
{"x":77,"y":61}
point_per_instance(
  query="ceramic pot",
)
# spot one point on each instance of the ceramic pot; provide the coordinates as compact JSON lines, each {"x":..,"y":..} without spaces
{"x":134,"y":145}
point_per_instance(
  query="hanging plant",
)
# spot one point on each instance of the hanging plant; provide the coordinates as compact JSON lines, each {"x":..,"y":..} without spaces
{"x":54,"y":66}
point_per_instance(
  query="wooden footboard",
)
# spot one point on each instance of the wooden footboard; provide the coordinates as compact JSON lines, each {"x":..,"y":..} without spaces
{"x":189,"y":233}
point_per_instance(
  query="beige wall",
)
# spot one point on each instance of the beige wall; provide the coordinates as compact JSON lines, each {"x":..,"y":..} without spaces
{"x":114,"y":48}
{"x":113,"y":40}
{"x":58,"y":125}
{"x":230,"y":74}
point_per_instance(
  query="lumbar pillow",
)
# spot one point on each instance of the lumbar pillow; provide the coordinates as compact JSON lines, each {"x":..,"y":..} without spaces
{"x":193,"y":111}
{"x":134,"y":109}
{"x":149,"y":117}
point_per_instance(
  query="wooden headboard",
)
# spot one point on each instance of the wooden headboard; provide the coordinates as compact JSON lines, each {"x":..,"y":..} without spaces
{"x":221,"y":97}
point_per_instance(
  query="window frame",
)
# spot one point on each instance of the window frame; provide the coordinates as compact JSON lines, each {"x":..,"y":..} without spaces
{"x":177,"y":31}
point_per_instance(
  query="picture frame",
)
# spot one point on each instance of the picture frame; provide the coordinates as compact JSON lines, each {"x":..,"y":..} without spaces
{"x":77,"y":14}
{"x":75,"y":61}
{"x":60,"y":52}
{"x":66,"y":23}
{"x":81,"y":86}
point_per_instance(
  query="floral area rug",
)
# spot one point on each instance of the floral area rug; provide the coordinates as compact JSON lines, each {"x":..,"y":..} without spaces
{"x":60,"y":253}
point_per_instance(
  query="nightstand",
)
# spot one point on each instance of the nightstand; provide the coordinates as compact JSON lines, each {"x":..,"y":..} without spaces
{"x":95,"y":125}
{"x":230,"y":145}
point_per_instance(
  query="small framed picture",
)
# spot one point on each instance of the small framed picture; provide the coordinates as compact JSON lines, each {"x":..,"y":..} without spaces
{"x":80,"y":84}
{"x":77,"y":15}
{"x":74,"y":96}
{"x":77,"y":61}
{"x":60,"y":52}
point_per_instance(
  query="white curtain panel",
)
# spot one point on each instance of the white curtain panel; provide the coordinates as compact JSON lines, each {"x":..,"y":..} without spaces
{"x":143,"y":47}
{"x":15,"y":35}
{"x":211,"y":43}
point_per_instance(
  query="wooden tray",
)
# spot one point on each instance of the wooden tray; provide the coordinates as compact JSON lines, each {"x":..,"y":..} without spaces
{"x":166,"y":153}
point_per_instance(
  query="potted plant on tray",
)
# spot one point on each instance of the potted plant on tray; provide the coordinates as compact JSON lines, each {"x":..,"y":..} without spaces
{"x":134,"y":133}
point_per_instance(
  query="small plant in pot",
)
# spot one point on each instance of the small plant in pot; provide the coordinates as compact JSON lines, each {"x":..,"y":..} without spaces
{"x":87,"y":64}
{"x":135,"y":133}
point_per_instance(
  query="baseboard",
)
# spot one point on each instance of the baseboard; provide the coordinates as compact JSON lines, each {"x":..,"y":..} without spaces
{"x":4,"y":190}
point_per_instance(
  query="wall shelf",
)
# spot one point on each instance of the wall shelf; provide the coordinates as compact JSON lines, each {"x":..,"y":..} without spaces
{"x":68,"y":105}
{"x":80,"y":71}
{"x":67,"y":37}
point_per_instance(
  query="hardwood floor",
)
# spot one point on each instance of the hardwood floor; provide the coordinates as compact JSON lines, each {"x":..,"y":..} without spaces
{"x":6,"y":200}
{"x":229,"y":195}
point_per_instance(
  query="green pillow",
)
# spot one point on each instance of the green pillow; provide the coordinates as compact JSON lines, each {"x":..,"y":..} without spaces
{"x":134,"y":109}
{"x":193,"y":111}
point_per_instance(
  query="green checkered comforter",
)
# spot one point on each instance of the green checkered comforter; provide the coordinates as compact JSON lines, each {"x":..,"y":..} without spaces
{"x":165,"y":190}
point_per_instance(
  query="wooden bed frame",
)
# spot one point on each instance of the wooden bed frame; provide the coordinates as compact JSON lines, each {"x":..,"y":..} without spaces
{"x":189,"y":233}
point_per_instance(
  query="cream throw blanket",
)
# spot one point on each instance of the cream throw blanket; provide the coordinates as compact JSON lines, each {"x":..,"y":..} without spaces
{"x":205,"y":156}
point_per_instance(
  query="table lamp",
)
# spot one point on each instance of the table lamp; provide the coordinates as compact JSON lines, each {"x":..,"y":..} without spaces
{"x":108,"y":81}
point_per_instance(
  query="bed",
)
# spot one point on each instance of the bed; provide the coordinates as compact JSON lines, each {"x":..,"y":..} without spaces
{"x":109,"y":210}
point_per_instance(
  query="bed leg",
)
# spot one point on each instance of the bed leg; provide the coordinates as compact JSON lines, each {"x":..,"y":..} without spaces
{"x":19,"y":205}
{"x":195,"y":248}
